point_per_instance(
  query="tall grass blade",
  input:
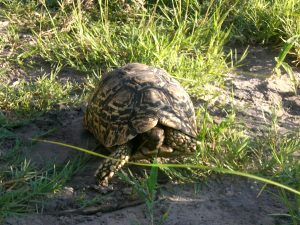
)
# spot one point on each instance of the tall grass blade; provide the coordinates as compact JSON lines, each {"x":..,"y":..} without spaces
{"x":219,"y":170}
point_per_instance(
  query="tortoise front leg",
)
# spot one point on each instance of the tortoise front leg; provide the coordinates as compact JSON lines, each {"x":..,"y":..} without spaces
{"x":109,"y":167}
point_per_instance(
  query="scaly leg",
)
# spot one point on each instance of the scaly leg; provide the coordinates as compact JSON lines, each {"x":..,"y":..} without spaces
{"x":109,"y":167}
{"x":180,"y":142}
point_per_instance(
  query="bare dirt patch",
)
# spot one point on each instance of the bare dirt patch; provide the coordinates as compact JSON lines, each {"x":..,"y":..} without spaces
{"x":258,"y":96}
{"x":218,"y":202}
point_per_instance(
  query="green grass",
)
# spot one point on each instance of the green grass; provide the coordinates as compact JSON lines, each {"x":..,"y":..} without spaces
{"x":185,"y":37}
{"x":22,"y":184}
{"x":146,"y":189}
{"x":268,"y":22}
{"x":187,"y":50}
{"x":29,"y":97}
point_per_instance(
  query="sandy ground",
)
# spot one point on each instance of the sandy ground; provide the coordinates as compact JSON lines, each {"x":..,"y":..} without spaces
{"x":222,"y":200}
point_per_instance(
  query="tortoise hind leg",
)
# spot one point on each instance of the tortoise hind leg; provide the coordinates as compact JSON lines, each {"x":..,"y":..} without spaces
{"x":180,"y":142}
{"x":109,"y":167}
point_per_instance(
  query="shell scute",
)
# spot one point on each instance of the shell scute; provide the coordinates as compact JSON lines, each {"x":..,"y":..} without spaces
{"x":135,"y":98}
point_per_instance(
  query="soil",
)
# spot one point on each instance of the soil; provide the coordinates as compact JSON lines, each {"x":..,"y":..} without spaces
{"x":220,"y":200}
{"x":226,"y":200}
{"x":258,"y":95}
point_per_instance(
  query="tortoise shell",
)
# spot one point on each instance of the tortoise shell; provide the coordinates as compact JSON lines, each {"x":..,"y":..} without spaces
{"x":135,"y":98}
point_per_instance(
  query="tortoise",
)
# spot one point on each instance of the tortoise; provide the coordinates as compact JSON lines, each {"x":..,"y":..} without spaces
{"x":138,"y":110}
